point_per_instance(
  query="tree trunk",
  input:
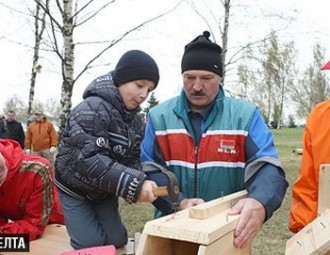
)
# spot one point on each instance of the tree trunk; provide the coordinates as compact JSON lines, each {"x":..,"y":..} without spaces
{"x":36,"y":67}
{"x":225,"y":37}
{"x":67,"y":63}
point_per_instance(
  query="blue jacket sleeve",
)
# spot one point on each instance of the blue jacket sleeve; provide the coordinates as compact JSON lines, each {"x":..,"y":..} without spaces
{"x":265,"y":178}
{"x":150,"y":151}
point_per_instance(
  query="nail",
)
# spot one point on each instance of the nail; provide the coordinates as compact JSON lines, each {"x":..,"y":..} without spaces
{"x":323,"y":225}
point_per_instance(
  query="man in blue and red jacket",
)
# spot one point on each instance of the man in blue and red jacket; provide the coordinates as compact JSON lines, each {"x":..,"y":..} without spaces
{"x":215,"y":145}
{"x":28,"y":197}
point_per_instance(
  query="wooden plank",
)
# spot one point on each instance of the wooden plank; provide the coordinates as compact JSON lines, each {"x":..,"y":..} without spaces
{"x":222,"y":247}
{"x":313,"y":239}
{"x":55,"y":240}
{"x":180,"y":226}
{"x":302,"y":243}
{"x":297,"y":152}
{"x":202,"y":230}
{"x":207,"y":210}
{"x":295,"y":244}
{"x":321,"y":233}
{"x":324,"y":188}
{"x":151,"y":245}
{"x":136,"y":240}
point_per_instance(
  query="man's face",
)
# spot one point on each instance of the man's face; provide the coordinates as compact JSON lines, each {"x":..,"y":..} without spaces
{"x":10,"y":116}
{"x":200,"y":87}
{"x":3,"y":170}
{"x":39,"y":117}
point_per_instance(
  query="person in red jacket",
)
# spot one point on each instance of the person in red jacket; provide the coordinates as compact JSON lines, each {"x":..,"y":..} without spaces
{"x":28,"y":196}
{"x":316,"y":151}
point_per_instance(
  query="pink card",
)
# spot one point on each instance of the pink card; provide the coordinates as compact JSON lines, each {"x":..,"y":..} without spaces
{"x":100,"y":250}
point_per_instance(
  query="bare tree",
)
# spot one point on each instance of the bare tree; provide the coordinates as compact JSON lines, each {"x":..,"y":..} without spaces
{"x":220,"y":23}
{"x":246,"y":75}
{"x":313,"y":87}
{"x":72,"y":16}
{"x":278,"y":69}
{"x":53,"y":110}
{"x":222,"y":28}
{"x":269,"y":74}
{"x":39,"y":28}
{"x":16,"y":104}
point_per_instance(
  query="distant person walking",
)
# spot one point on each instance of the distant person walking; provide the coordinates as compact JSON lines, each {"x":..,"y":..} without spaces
{"x":41,"y":138}
{"x":15,"y":129}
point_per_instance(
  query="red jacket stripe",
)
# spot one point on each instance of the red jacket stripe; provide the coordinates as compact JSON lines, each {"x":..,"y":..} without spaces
{"x":213,"y":147}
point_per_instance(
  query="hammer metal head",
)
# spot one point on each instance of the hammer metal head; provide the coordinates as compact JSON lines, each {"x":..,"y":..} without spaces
{"x":172,"y":181}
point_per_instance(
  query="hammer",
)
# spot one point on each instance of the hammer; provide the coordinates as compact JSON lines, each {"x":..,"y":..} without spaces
{"x":171,"y":189}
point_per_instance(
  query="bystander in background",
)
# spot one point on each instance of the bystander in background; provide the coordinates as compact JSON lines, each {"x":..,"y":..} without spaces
{"x":15,"y":129}
{"x":41,"y":138}
{"x":3,"y":128}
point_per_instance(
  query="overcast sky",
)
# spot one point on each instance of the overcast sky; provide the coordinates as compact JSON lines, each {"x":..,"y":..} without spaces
{"x":163,"y":39}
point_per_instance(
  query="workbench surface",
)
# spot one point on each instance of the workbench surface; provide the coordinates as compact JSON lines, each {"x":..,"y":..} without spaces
{"x":55,"y":240}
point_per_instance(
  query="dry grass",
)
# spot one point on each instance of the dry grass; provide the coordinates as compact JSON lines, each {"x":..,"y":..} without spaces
{"x":271,"y":240}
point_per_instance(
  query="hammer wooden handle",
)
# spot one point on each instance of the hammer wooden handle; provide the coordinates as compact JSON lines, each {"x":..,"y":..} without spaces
{"x":160,"y":191}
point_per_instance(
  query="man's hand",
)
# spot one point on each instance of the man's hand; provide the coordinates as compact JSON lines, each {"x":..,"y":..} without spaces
{"x":252,"y":217}
{"x":52,"y":150}
{"x":146,"y":193}
{"x":190,"y":202}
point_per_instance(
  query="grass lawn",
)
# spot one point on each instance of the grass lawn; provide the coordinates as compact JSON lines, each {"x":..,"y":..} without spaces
{"x":271,"y":240}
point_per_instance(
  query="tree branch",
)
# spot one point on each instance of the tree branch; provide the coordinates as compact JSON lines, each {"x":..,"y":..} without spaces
{"x":87,"y":66}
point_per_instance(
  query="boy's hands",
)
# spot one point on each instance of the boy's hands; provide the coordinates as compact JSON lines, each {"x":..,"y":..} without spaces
{"x":146,"y":193}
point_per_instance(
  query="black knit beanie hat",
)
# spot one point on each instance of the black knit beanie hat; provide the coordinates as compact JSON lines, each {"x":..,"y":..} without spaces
{"x":202,"y":54}
{"x":135,"y":65}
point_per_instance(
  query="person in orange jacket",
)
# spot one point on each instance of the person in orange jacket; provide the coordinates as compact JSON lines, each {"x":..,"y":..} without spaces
{"x":41,"y":138}
{"x":28,"y":196}
{"x":316,"y":151}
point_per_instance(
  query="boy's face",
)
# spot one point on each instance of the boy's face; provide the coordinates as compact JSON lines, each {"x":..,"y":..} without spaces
{"x":135,"y":93}
{"x":3,"y":170}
